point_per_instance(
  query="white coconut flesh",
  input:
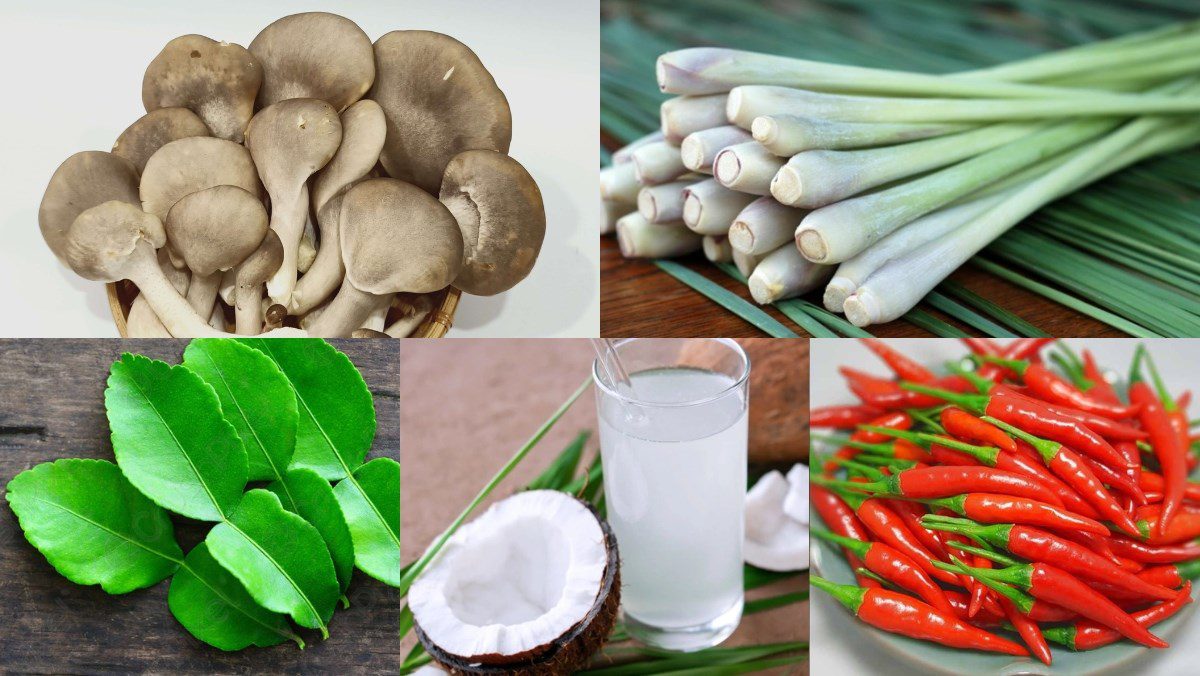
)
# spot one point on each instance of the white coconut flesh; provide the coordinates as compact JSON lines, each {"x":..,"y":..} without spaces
{"x":513,"y":580}
{"x":777,"y":521}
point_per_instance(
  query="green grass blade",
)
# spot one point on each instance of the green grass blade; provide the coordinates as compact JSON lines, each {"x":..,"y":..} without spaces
{"x":559,"y":474}
{"x":727,"y":299}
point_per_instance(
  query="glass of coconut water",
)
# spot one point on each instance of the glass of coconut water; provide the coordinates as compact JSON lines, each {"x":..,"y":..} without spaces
{"x":673,"y":447}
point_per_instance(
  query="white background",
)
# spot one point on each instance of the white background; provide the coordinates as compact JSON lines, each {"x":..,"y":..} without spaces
{"x":73,"y":76}
{"x":839,"y":644}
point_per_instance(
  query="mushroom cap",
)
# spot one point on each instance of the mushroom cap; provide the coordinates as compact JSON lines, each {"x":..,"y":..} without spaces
{"x":154,"y":130}
{"x":192,"y":164}
{"x":81,"y":182}
{"x":314,"y":55}
{"x":499,"y":210}
{"x":363,"y":131}
{"x":102,"y":239}
{"x":260,"y":265}
{"x":439,"y":100}
{"x":216,"y":228}
{"x":216,"y":80}
{"x":292,"y":139}
{"x":396,"y":237}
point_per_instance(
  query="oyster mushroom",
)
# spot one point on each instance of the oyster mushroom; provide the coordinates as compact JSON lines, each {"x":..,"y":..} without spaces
{"x":251,"y":275}
{"x":394,"y":237}
{"x":81,"y":182}
{"x":314,"y":55}
{"x":289,"y":142}
{"x":189,"y":165}
{"x":499,"y":210}
{"x":363,"y":131}
{"x":214,"y":230}
{"x":142,"y":322}
{"x":439,"y":100}
{"x":154,"y":130}
{"x":216,"y":80}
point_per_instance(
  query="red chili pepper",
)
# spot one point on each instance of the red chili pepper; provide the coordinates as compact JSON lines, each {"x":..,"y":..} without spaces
{"x":1038,"y":545}
{"x":1059,"y":587}
{"x":1152,"y":482}
{"x":902,"y":366}
{"x":1184,"y":527}
{"x":889,"y":528}
{"x":1028,"y":630}
{"x":893,"y":566}
{"x":911,"y":513}
{"x":1171,"y":575}
{"x":1069,"y":466}
{"x":1032,"y":416}
{"x":992,"y":508}
{"x":979,"y":591}
{"x":842,"y":417}
{"x":1101,"y":388}
{"x":1144,"y":553}
{"x":981,"y":346}
{"x":1121,"y":481}
{"x":959,"y":423}
{"x":1046,"y":385}
{"x":986,"y":617}
{"x":840,"y":518}
{"x":1089,"y":635}
{"x":883,"y":393}
{"x":890,"y":420}
{"x":1163,"y":439}
{"x":900,"y":614}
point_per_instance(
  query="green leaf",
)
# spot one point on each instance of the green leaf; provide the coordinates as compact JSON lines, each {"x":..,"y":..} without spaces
{"x":171,"y":440}
{"x":336,"y":416}
{"x":214,"y":607}
{"x":370,"y":499}
{"x":93,"y":526}
{"x":304,"y":492}
{"x":279,"y":558}
{"x":727,"y":299}
{"x":255,"y":397}
{"x":560,"y":472}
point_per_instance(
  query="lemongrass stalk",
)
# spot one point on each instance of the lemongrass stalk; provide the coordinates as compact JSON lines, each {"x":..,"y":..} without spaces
{"x":747,"y":167}
{"x":784,"y":273}
{"x":1135,"y":76}
{"x":764,"y":225}
{"x":700,"y":148}
{"x":656,"y":163}
{"x":662,"y":203}
{"x":900,"y":285}
{"x":747,"y":262}
{"x":625,"y":154}
{"x":786,"y":135}
{"x":1099,"y":58}
{"x":612,"y":212}
{"x":710,"y":70}
{"x":748,"y":102}
{"x":619,"y":183}
{"x":639,"y":238}
{"x":854,"y":272}
{"x":709,"y":207}
{"x":816,"y":178}
{"x":836,"y":232}
{"x":717,"y":249}
{"x":685,"y":115}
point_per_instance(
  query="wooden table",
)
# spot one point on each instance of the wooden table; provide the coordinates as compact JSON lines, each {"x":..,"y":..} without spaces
{"x":638,"y":299}
{"x":53,"y":407}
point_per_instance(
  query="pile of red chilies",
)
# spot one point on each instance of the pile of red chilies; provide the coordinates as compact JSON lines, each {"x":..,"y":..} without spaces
{"x":1011,"y":495}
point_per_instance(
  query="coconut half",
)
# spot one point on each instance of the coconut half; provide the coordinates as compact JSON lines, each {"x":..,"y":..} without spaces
{"x":530,"y":587}
{"x":777,"y":521}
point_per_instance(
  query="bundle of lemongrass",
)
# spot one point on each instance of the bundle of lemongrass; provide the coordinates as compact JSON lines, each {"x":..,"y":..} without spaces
{"x":879,"y":183}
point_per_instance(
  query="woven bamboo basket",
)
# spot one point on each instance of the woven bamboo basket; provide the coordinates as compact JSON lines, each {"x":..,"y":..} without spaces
{"x":121,"y":295}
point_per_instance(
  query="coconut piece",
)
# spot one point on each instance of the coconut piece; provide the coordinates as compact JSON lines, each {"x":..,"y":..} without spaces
{"x":290,"y":141}
{"x":81,"y":182}
{"x":314,"y":55}
{"x":439,"y":100}
{"x":795,"y":504}
{"x":532,"y":586}
{"x":216,"y":80}
{"x":774,"y":540}
{"x":363,"y":131}
{"x":394,"y":237}
{"x":189,"y":165}
{"x":499,"y":210}
{"x":154,"y":130}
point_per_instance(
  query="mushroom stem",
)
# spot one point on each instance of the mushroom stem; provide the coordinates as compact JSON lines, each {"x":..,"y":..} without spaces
{"x":248,"y":310}
{"x":346,"y":312}
{"x":412,"y":315}
{"x":173,"y":310}
{"x":288,"y":218}
{"x":377,"y":319}
{"x":202,"y":292}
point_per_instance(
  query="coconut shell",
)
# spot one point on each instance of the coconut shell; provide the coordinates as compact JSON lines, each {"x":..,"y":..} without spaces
{"x":568,"y":653}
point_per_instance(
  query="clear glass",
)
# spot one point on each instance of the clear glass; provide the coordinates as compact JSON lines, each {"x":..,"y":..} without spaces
{"x":674,"y":456}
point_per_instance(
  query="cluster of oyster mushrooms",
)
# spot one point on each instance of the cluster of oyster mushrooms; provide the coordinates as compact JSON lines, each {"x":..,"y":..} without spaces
{"x":314,"y":180}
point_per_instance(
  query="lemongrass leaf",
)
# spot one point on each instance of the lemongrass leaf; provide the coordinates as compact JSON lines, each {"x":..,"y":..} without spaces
{"x":726,"y":299}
